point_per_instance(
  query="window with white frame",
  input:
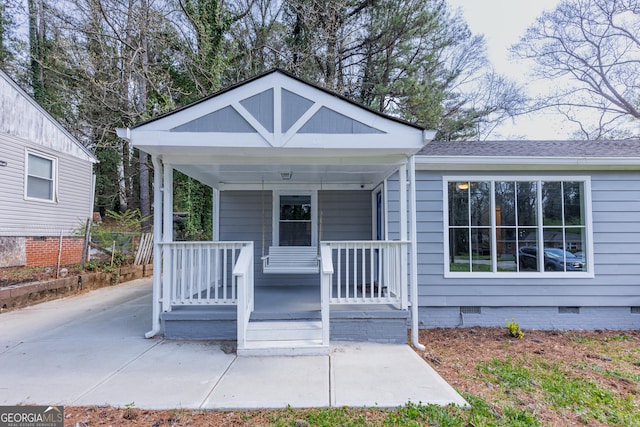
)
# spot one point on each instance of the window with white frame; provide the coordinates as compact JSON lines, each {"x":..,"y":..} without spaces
{"x":40,"y":177}
{"x":516,"y":225}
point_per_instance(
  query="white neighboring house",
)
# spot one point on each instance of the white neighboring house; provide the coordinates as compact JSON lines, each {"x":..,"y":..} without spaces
{"x":46,"y":183}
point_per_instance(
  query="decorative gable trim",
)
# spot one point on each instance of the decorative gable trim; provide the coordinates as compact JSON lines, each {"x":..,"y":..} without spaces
{"x":226,"y":119}
{"x":276,"y":110}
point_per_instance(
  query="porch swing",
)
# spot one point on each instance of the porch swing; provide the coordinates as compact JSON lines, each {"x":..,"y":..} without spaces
{"x":288,"y":259}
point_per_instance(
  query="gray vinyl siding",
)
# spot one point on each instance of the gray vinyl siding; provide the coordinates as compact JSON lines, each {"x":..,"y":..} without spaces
{"x":226,"y":119}
{"x":346,"y":215}
{"x":20,"y":217}
{"x":326,"y":120}
{"x":616,"y":242}
{"x":293,"y":107}
{"x":261,"y":107}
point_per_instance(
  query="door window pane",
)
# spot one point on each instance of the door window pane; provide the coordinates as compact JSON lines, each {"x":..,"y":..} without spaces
{"x":295,"y":221}
{"x":295,"y":208}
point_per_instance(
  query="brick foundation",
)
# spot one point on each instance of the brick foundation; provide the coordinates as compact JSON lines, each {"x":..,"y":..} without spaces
{"x":43,"y":251}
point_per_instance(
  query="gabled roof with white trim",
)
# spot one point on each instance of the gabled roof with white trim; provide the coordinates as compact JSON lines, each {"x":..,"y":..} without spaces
{"x":24,"y":118}
{"x":276,"y":110}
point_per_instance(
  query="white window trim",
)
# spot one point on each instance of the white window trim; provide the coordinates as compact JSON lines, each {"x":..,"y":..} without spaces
{"x":275,"y":214}
{"x":382,"y":189}
{"x":54,"y":172}
{"x":519,"y":275}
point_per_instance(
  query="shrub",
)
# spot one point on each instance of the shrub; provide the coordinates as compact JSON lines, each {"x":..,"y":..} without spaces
{"x":513,"y":329}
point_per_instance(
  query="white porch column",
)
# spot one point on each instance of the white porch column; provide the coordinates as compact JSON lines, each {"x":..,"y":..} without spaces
{"x":167,"y":234}
{"x":413,"y":235}
{"x":157,"y":247}
{"x":215,"y":233}
{"x":402,"y":176}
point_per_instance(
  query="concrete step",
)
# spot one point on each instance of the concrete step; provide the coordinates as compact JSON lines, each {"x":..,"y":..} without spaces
{"x":283,"y":338}
{"x":284,"y":348}
{"x":284,"y":330}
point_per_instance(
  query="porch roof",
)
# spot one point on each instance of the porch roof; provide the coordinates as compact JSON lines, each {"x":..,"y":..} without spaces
{"x":277,"y":124}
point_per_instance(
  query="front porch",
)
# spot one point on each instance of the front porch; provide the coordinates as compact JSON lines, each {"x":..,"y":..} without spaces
{"x":359,"y":295}
{"x":313,"y":224}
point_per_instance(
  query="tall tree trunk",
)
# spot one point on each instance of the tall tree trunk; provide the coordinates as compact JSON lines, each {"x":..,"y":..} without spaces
{"x":36,"y":47}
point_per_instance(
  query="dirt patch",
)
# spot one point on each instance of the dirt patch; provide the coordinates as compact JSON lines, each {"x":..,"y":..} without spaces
{"x":595,"y":355}
{"x":610,"y":359}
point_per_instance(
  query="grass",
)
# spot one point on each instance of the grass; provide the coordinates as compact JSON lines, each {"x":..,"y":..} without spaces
{"x":562,"y":389}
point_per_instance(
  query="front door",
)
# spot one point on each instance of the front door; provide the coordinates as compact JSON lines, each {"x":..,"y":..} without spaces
{"x":295,"y":225}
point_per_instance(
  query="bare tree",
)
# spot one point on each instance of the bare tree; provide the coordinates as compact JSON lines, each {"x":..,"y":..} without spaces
{"x":591,"y":49}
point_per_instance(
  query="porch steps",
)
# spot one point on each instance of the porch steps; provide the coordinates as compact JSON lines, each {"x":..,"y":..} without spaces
{"x":284,"y":338}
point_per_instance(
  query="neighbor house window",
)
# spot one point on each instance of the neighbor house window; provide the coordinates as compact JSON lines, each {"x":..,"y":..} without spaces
{"x":516,"y":225}
{"x":40,"y":177}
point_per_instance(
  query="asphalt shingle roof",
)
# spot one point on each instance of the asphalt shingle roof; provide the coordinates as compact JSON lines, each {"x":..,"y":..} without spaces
{"x":605,"y":148}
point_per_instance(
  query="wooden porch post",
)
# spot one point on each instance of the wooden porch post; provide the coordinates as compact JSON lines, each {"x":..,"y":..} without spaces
{"x":167,"y":235}
{"x":402,"y":172}
{"x":157,"y":247}
{"x":215,"y":233}
{"x":413,"y":235}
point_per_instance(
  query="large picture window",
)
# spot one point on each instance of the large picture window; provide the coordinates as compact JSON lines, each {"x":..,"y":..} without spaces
{"x":516,"y":226}
{"x":40,"y":177}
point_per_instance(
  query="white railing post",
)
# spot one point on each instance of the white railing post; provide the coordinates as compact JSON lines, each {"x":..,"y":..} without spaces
{"x":243,"y":277}
{"x":326,"y":266}
{"x":167,"y":234}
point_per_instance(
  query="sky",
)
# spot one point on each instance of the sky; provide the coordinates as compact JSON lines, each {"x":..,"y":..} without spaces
{"x":503,"y":22}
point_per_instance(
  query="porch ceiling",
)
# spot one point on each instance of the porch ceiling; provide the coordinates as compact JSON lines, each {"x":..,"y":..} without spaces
{"x":251,"y":172}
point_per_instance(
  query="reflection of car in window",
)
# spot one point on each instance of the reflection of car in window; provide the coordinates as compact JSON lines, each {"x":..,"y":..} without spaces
{"x":554,"y":259}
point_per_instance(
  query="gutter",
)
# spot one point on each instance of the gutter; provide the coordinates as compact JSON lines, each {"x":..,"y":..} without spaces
{"x":157,"y":257}
{"x":413,"y":236}
{"x":462,"y":162}
{"x":124,"y":133}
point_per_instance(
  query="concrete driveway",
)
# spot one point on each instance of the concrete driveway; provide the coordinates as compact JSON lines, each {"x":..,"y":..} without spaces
{"x":90,"y":350}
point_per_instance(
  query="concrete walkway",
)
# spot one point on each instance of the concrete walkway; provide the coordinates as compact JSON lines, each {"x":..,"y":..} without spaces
{"x":90,"y":350}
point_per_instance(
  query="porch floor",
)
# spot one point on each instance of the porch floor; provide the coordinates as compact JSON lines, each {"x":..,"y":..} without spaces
{"x":286,"y":301}
{"x":71,"y":343}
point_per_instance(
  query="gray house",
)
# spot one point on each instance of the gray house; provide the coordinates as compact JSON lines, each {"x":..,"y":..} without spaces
{"x":46,"y":177}
{"x":332,"y":221}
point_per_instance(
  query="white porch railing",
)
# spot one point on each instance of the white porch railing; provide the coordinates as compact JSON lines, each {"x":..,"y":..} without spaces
{"x":201,"y":272}
{"x":326,"y":275}
{"x":243,"y":277}
{"x":368,"y":272}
